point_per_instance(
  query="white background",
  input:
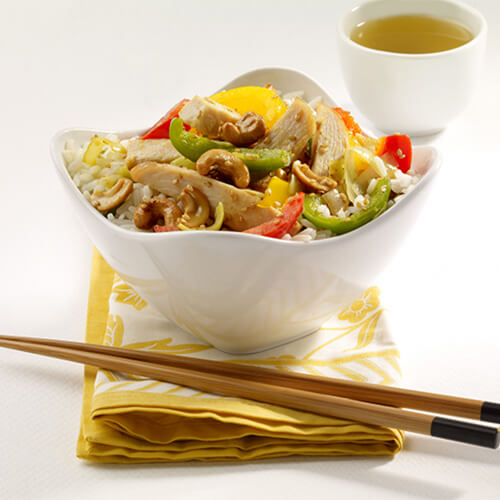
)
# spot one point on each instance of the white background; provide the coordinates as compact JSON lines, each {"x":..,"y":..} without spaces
{"x":121,"y":65}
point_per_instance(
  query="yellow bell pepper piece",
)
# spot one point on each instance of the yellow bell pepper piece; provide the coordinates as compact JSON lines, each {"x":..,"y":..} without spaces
{"x":97,"y":146}
{"x":266,"y":102}
{"x":276,"y":193}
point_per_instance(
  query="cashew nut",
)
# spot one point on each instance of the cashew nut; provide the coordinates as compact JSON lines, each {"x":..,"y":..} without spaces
{"x":116,"y":195}
{"x":314,"y":182}
{"x":220,"y":161}
{"x":196,"y":207}
{"x":248,"y":129}
{"x":150,"y":211}
{"x":281,"y":173}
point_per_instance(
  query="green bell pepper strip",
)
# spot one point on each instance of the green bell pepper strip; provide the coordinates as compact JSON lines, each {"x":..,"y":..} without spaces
{"x":192,"y":146}
{"x":263,"y":160}
{"x":341,"y":225}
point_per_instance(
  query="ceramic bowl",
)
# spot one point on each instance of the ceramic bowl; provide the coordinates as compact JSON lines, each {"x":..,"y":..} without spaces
{"x":416,"y":94}
{"x":240,"y":292}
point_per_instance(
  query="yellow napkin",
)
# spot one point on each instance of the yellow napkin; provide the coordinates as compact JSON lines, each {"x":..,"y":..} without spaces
{"x":127,"y":419}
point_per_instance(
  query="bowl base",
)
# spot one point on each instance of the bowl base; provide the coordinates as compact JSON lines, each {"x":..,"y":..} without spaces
{"x":267,"y":348}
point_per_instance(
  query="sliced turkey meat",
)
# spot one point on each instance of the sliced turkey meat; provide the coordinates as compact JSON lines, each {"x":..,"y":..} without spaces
{"x":207,"y":116}
{"x":159,"y":150}
{"x":292,"y":131}
{"x":330,"y":140}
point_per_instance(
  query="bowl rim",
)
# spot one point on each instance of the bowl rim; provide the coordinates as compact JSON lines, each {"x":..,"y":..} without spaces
{"x":341,"y":33}
{"x":140,"y":236}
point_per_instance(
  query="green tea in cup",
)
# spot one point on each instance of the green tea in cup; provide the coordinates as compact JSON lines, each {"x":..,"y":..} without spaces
{"x":411,"y":34}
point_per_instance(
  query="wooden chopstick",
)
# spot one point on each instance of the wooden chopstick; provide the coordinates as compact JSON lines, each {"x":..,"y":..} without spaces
{"x":316,"y":402}
{"x":371,"y":393}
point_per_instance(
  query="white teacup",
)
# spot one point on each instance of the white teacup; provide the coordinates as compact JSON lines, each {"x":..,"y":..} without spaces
{"x":416,"y":94}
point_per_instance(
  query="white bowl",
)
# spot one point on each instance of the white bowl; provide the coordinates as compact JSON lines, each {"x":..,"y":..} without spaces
{"x":415,"y":94}
{"x":241,"y":292}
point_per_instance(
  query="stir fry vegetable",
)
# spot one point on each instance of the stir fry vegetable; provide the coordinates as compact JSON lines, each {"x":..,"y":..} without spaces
{"x":158,"y":228}
{"x":263,"y":160}
{"x":396,"y":149}
{"x":276,"y":193}
{"x":219,"y":219}
{"x":341,"y":225}
{"x":160,"y":130}
{"x":247,"y":160}
{"x":97,"y":146}
{"x":281,"y":225}
{"x":263,"y":101}
{"x":348,"y":120}
{"x":360,"y":167}
{"x":192,"y":146}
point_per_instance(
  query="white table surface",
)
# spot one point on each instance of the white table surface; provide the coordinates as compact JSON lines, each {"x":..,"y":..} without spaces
{"x":118,"y":65}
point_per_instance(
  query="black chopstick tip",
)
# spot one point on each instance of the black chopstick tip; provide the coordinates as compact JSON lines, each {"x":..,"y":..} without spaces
{"x":490,"y":412}
{"x":465,"y":432}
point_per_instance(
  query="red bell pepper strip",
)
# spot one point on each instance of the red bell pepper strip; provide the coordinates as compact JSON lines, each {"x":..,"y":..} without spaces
{"x":160,"y":129}
{"x":281,"y":225}
{"x":165,"y":229}
{"x":396,"y":150}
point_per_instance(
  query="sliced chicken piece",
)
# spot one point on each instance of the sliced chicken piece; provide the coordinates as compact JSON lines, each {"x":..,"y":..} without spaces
{"x":330,"y":140}
{"x":159,"y":150}
{"x":207,"y":116}
{"x":292,"y":131}
{"x":240,"y":206}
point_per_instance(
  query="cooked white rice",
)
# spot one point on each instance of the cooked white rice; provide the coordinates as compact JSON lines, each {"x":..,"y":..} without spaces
{"x":87,"y":178}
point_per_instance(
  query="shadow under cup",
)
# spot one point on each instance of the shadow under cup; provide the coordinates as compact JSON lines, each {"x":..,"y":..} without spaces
{"x":416,"y":94}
